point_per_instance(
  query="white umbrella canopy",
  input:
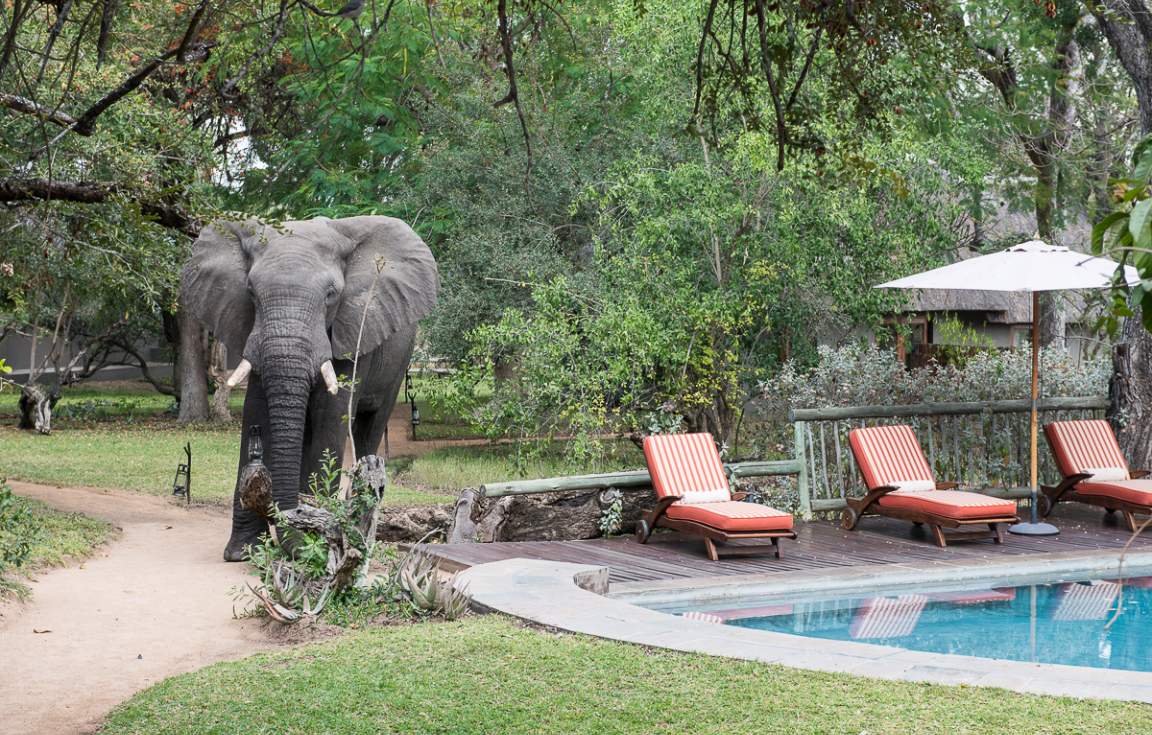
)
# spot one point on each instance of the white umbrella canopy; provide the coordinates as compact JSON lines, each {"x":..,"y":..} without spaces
{"x":1031,"y":267}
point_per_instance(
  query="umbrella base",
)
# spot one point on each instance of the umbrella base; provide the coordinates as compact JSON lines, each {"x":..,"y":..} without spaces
{"x":1033,"y":529}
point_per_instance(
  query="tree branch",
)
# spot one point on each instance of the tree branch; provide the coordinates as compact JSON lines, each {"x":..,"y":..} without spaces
{"x":92,"y":192}
{"x":30,"y":107}
{"x":513,"y":95}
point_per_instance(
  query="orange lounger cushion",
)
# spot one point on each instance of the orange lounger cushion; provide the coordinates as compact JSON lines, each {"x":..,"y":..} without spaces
{"x":732,"y":515}
{"x":950,"y":504}
{"x":1138,"y":492}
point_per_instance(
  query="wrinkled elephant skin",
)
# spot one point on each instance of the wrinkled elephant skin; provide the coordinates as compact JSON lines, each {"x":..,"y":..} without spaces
{"x":290,"y":300}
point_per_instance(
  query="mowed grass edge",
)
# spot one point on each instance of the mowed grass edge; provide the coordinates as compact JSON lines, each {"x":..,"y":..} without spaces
{"x":490,"y":675}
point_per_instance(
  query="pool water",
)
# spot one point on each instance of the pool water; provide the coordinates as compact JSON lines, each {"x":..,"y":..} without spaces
{"x":1074,"y":623}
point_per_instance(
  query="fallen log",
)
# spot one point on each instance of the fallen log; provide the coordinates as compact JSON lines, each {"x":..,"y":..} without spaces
{"x":560,"y":516}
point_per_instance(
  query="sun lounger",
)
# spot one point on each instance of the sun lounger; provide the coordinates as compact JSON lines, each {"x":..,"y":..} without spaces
{"x":901,"y":485}
{"x":887,"y":617}
{"x":693,"y":497}
{"x":1095,"y":471}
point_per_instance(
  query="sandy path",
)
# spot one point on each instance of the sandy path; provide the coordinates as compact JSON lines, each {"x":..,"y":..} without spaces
{"x":155,"y":602}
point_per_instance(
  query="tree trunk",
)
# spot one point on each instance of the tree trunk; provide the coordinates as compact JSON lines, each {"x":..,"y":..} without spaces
{"x":1128,"y":26}
{"x":193,"y":377}
{"x":218,"y":368}
{"x":1053,"y":324}
{"x":36,"y":406}
{"x":1131,"y":389}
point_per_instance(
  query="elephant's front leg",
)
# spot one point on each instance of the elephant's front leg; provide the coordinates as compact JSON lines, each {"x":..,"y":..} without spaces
{"x":327,"y":430}
{"x":248,"y":526}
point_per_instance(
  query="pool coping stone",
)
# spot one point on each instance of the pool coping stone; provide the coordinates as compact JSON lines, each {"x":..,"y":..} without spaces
{"x":571,"y":597}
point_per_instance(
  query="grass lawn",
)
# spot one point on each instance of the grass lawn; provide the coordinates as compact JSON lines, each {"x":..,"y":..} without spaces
{"x":65,"y":537}
{"x":488,"y":675}
{"x":142,"y":458}
{"x":117,"y":435}
{"x":469,"y":466}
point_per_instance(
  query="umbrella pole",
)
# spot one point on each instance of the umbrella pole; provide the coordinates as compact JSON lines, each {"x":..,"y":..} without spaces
{"x":1035,"y":527}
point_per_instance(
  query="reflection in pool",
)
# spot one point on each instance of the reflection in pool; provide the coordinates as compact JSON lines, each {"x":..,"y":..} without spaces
{"x":1064,"y":623}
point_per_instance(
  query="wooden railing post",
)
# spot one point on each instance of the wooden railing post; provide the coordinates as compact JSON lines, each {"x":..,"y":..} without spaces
{"x":802,"y":487}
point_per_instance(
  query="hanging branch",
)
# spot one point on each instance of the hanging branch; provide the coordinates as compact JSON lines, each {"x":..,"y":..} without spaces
{"x":63,"y":10}
{"x":85,"y":122}
{"x":513,"y":95}
{"x":107,"y":14}
{"x":228,"y":89}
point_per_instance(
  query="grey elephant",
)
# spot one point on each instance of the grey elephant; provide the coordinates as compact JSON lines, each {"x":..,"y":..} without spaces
{"x":291,"y":300}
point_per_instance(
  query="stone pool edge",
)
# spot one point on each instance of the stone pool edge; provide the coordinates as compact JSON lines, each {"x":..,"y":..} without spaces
{"x":571,"y":597}
{"x":930,"y":576}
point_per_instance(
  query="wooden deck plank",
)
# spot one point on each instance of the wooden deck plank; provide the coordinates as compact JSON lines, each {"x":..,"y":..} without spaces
{"x":820,"y":544}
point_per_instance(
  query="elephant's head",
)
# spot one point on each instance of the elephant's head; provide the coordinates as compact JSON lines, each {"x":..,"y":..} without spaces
{"x":291,"y":297}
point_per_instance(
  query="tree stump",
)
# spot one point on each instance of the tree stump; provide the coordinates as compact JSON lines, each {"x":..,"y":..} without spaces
{"x":36,"y":406}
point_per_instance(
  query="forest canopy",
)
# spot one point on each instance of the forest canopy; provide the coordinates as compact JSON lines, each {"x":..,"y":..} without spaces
{"x":642,"y":207}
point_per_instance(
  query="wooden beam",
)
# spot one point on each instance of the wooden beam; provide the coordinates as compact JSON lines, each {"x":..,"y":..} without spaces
{"x":1023,"y":405}
{"x":632,"y":480}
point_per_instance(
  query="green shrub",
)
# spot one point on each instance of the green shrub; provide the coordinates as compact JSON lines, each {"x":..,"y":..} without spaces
{"x":19,"y":529}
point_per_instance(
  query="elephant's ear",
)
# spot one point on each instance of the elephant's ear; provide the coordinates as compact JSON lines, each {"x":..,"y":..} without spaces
{"x":214,"y":282}
{"x":391,"y":271}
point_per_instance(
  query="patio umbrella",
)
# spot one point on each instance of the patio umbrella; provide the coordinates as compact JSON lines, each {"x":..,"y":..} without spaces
{"x":1031,"y":267}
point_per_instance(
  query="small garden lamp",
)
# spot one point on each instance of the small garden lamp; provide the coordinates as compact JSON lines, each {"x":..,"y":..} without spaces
{"x":410,"y":396}
{"x":182,"y":482}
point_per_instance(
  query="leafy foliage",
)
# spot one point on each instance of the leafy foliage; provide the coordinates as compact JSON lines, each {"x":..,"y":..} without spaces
{"x":19,"y":530}
{"x":705,"y":274}
{"x":1126,"y":235}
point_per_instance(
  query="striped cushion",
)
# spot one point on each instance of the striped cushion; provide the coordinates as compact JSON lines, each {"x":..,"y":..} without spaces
{"x":890,"y":455}
{"x":686,"y":466}
{"x":733,"y":516}
{"x":1138,"y":492}
{"x":702,"y":617}
{"x":955,"y":504}
{"x":1086,"y":600}
{"x":1084,"y":446}
{"x":887,"y":617}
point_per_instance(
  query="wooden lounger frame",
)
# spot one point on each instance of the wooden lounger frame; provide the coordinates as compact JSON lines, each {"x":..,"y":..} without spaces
{"x":867,"y":505}
{"x":714,"y":538}
{"x":1066,"y":491}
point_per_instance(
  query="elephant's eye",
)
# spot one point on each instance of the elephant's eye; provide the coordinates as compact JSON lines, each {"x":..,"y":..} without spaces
{"x":331,"y":292}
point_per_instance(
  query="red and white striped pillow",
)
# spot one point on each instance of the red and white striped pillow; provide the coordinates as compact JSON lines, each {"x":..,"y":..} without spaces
{"x":891,"y":455}
{"x":687,"y":466}
{"x":1088,"y":446}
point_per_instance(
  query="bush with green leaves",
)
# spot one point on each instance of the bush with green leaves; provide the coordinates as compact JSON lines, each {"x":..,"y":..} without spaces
{"x":19,"y":530}
{"x":980,"y":450}
{"x":704,"y":273}
{"x":864,"y":375}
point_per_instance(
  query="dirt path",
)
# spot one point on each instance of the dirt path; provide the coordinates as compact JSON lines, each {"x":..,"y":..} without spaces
{"x":155,"y":602}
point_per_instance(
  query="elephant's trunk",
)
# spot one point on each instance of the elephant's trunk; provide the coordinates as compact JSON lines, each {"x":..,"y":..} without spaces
{"x":288,"y":373}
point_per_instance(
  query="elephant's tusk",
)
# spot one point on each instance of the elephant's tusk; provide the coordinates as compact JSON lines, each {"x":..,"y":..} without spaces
{"x":239,"y":373}
{"x":329,"y":377}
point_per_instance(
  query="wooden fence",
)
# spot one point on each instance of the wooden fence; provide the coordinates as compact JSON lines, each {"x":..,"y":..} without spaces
{"x":981,"y":444}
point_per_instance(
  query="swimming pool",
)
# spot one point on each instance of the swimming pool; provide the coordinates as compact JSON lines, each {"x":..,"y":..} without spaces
{"x":1067,"y":622}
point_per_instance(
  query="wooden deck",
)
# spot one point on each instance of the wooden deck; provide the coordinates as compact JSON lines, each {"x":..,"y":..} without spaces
{"x":821,"y":545}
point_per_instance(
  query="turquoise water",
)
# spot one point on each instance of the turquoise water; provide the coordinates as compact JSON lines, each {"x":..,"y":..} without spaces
{"x":1063,"y":623}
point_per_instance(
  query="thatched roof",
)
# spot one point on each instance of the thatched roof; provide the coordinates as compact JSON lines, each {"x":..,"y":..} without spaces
{"x":998,"y":307}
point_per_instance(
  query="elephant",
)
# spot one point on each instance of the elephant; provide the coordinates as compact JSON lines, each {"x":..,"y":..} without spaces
{"x":296,"y":301}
